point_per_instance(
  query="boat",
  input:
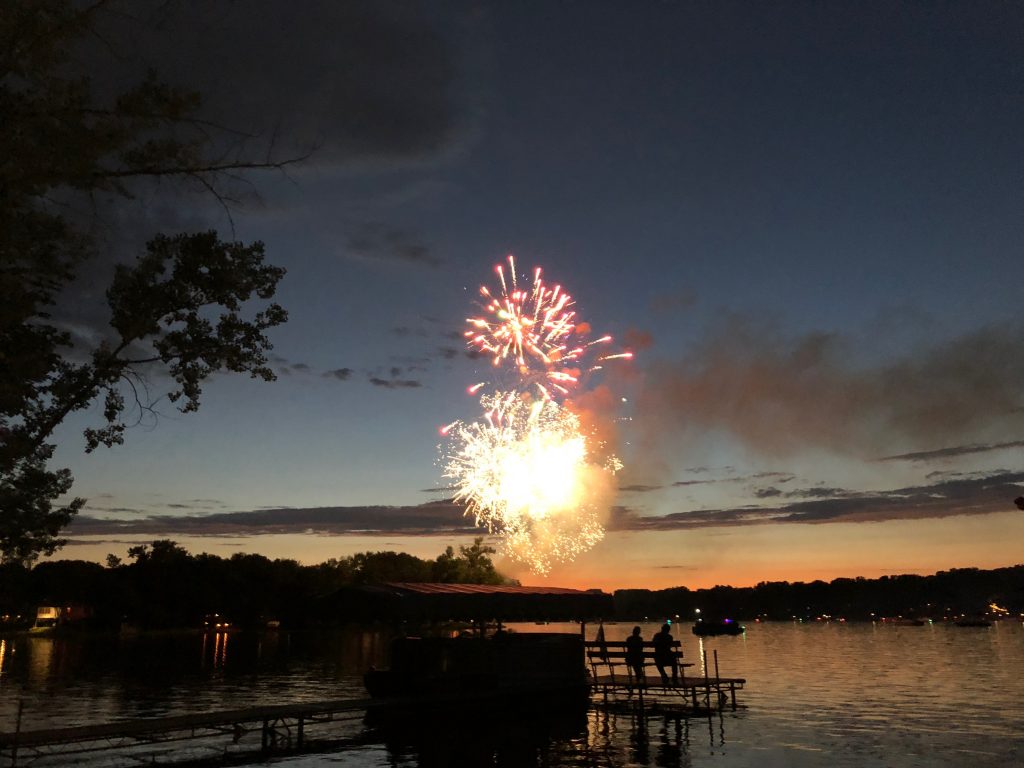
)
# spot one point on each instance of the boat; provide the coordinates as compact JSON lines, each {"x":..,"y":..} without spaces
{"x":506,"y":666}
{"x":908,"y":622}
{"x":716,"y":628}
{"x":973,"y":623}
{"x":479,"y":665}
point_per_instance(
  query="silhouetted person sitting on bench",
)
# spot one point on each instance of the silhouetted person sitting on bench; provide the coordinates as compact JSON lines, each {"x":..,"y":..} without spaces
{"x":665,"y":655}
{"x":635,"y":654}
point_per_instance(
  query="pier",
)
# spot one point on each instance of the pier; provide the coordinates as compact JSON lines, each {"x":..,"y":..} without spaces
{"x":611,"y":677}
{"x":279,"y":727}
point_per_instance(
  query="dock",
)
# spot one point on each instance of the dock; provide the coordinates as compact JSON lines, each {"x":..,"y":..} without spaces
{"x":611,"y":678}
{"x":279,"y":727}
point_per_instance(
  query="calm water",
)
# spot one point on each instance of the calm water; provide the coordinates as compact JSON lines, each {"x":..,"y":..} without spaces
{"x":817,"y":695}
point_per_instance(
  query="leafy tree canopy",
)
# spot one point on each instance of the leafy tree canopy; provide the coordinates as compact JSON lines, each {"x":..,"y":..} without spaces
{"x":181,"y":308}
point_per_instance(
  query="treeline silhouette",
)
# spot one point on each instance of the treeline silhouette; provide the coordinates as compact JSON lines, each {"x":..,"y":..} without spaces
{"x":164,"y":586}
{"x":958,"y":592}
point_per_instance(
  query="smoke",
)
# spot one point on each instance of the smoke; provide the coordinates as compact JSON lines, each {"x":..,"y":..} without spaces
{"x":780,"y":395}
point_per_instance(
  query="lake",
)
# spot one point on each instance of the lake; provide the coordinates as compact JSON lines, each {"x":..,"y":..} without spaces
{"x":823,"y":694}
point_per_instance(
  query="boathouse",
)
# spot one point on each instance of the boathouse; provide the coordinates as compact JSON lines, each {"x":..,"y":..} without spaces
{"x":477,"y":603}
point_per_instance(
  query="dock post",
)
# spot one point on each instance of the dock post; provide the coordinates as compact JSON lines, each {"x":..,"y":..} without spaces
{"x":17,"y":733}
{"x":718,"y":681}
{"x":298,"y":739}
{"x":264,"y":736}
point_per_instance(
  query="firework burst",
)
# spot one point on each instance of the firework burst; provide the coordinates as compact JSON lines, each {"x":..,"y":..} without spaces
{"x":535,"y":328}
{"x":526,"y":471}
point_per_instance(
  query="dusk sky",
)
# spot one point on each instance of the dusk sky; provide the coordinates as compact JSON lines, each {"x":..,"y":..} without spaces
{"x":805,"y":219}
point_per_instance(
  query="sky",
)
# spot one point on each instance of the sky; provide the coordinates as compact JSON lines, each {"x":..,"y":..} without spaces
{"x":803,"y":218}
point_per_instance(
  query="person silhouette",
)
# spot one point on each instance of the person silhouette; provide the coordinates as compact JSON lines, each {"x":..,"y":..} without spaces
{"x":665,"y":654}
{"x":635,"y":655}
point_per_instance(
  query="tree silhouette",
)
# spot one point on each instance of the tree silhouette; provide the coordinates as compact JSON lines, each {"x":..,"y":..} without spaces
{"x":179,"y":309}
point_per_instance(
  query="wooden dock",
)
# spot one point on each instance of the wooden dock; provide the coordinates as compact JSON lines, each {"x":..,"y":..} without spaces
{"x":279,"y":727}
{"x":612,"y":677}
{"x":231,"y":734}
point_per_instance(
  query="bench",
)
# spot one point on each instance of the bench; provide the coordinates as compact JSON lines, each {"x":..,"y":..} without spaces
{"x":612,"y":654}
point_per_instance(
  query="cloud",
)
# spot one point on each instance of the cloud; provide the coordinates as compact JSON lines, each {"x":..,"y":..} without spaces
{"x":405,"y":330}
{"x":685,"y":483}
{"x":371,"y":85}
{"x":394,"y":383}
{"x":819,"y":492}
{"x":360,"y":80}
{"x":639,"y":488}
{"x":781,"y":395}
{"x":431,"y":518}
{"x":385,"y":243}
{"x":959,"y":496}
{"x":957,"y":450}
{"x":341,"y":374}
{"x":123,"y":510}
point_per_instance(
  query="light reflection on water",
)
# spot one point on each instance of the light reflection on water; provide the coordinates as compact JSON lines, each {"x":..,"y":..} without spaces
{"x":818,"y":695}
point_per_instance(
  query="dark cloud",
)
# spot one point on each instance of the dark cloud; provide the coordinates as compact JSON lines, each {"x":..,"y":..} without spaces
{"x":366,"y":84}
{"x":436,"y":517}
{"x":779,"y":477}
{"x":957,"y":450}
{"x":638,"y":488}
{"x":777,"y":394}
{"x":301,"y":367}
{"x":394,"y":383}
{"x":449,"y":353}
{"x":359,"y":80}
{"x":819,"y":492}
{"x":341,"y":374}
{"x":963,"y":496}
{"x":385,"y":243}
{"x":709,"y":481}
{"x":405,"y":330}
{"x":767,"y":493}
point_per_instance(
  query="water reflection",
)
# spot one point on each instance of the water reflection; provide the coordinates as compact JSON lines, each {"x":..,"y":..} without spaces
{"x":829,"y":695}
{"x":598,"y":736}
{"x":219,"y":645}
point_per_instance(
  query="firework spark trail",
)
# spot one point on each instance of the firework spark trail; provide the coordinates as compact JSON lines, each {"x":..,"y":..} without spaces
{"x":537,"y":330}
{"x":525,"y":469}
